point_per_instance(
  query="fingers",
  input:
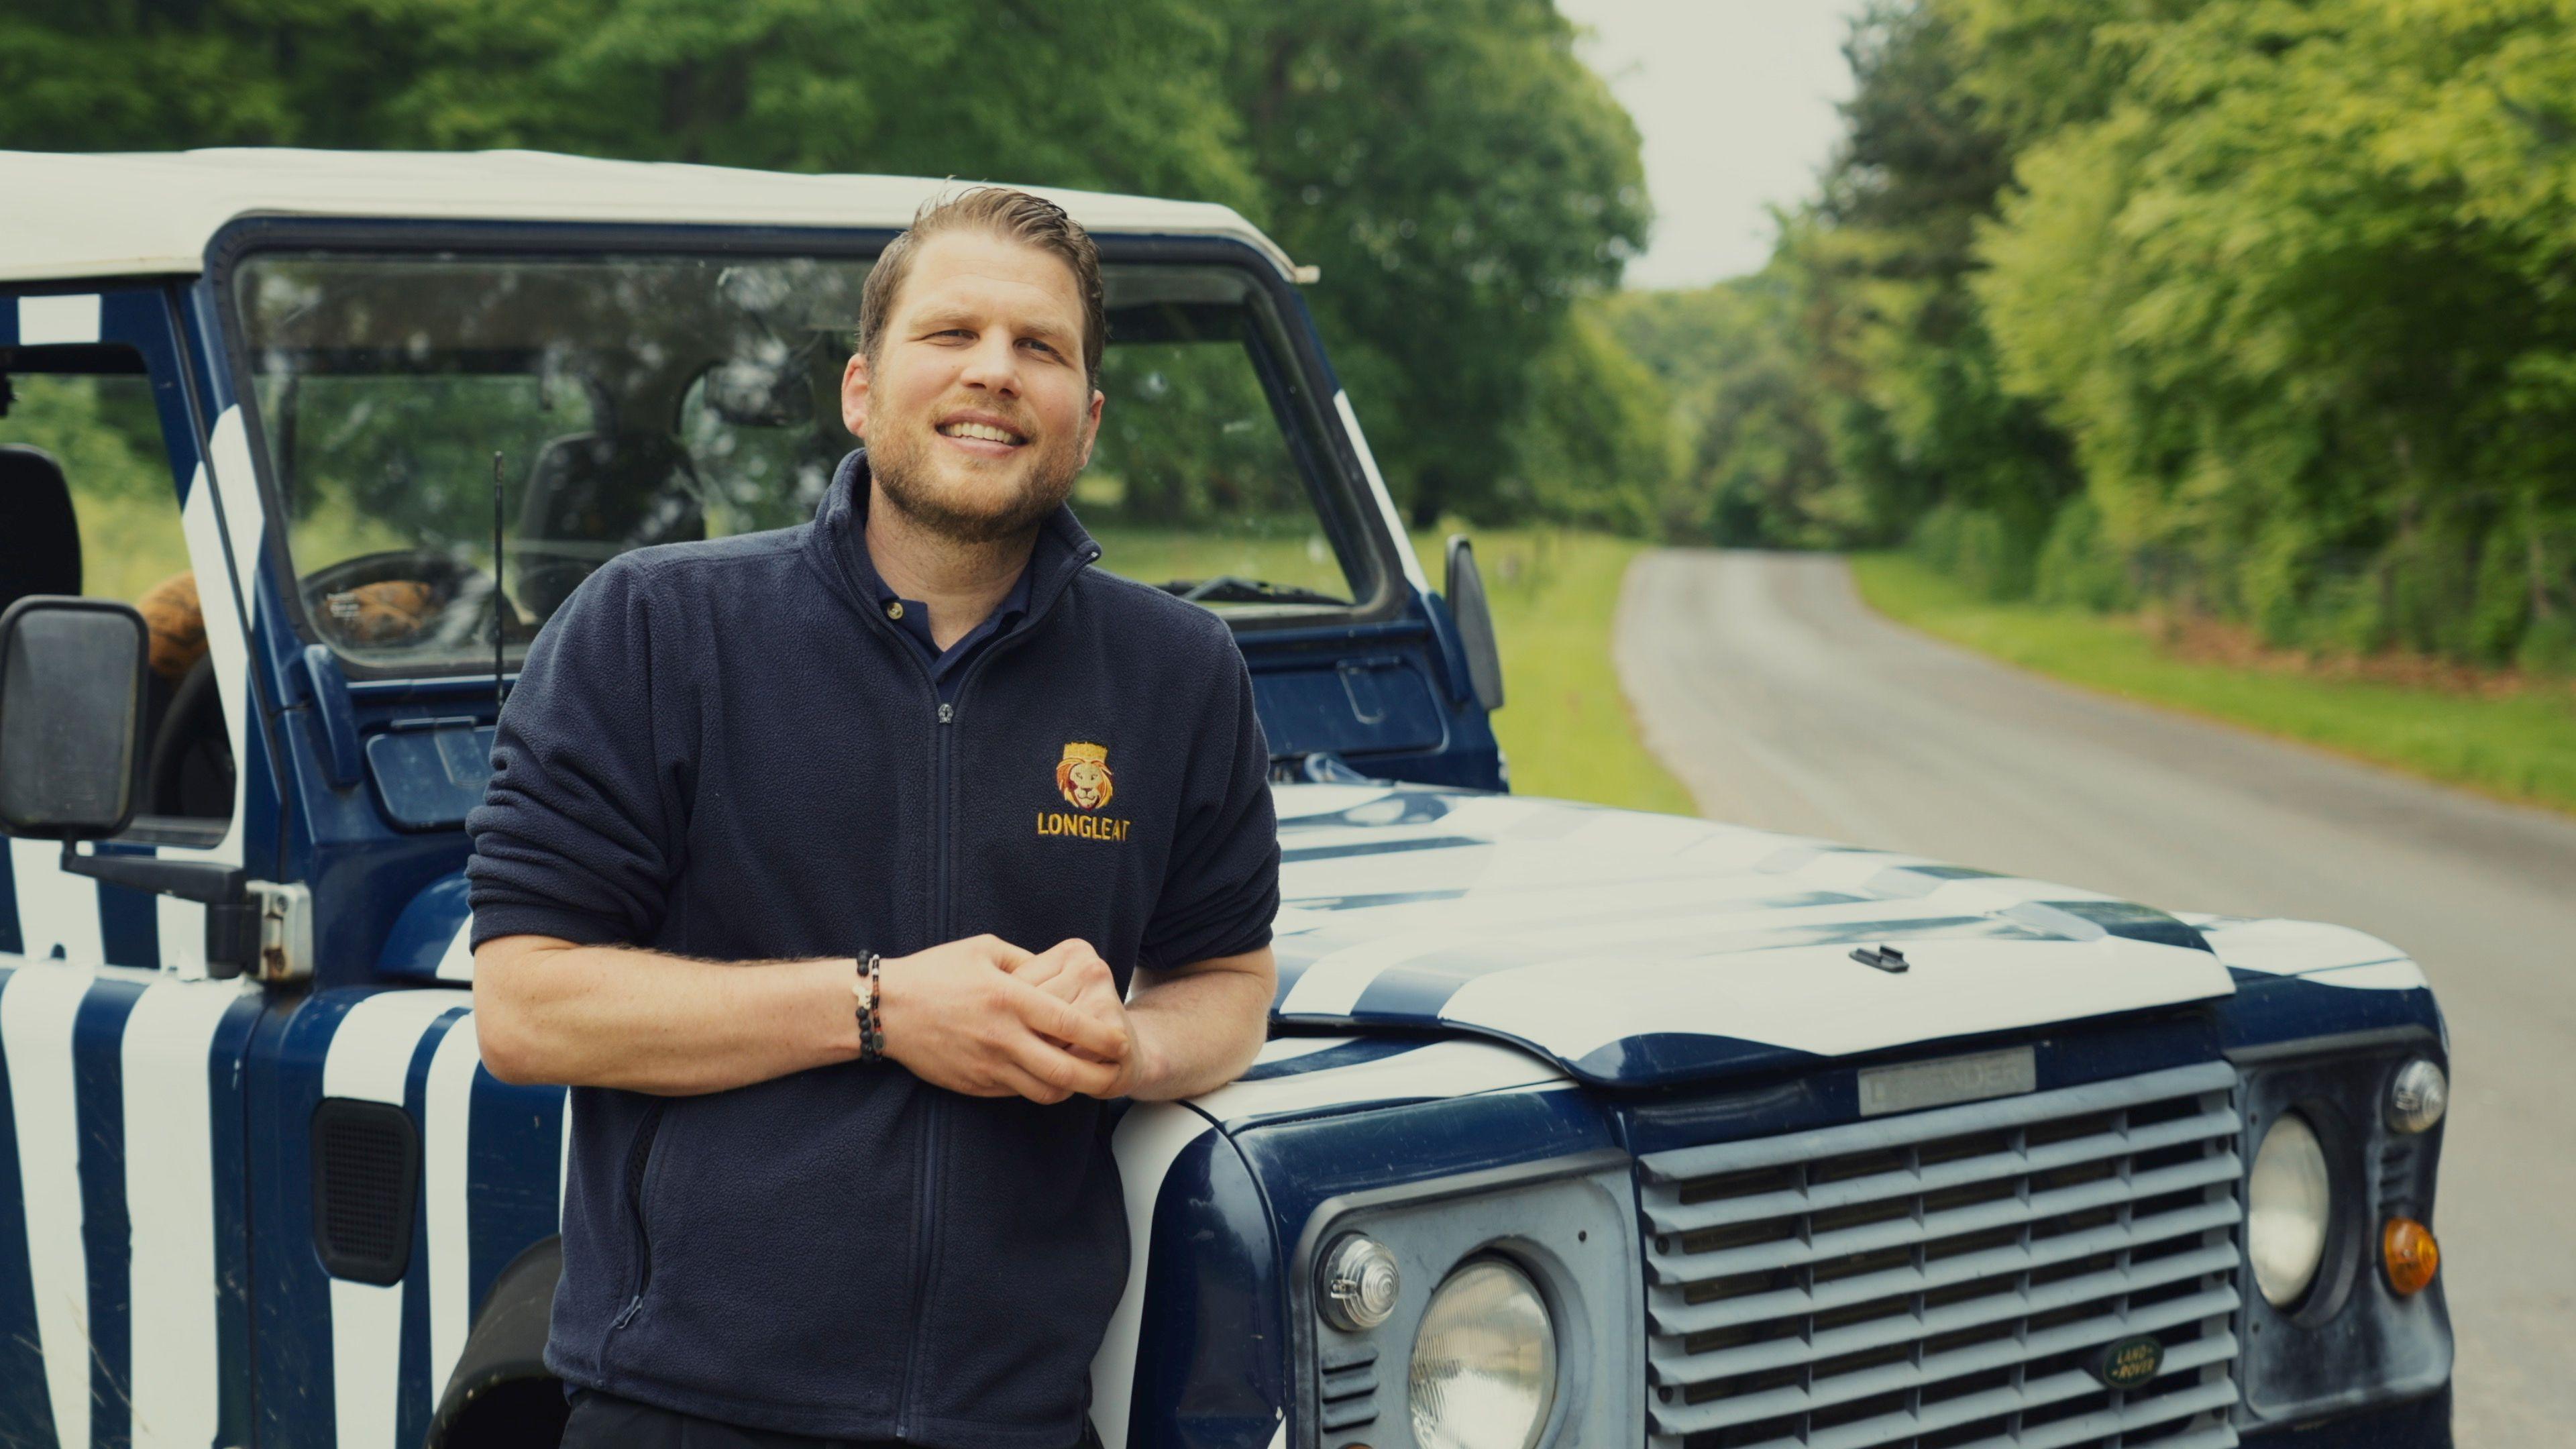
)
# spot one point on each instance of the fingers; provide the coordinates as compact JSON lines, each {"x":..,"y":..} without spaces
{"x":1002,"y":953}
{"x":1061,"y":1073}
{"x":1048,"y":1014}
{"x":1051,"y":963}
{"x":1071,"y":972}
{"x":1013,"y":1080}
{"x":1064,"y":984}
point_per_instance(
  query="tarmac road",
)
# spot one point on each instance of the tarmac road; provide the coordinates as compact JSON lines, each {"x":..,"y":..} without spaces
{"x":1781,"y":701}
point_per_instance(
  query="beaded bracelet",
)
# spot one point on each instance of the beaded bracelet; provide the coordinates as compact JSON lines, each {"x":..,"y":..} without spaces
{"x":871,"y":1030}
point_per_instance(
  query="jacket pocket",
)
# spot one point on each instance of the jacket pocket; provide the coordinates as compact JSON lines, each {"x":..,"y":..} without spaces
{"x":639,"y":1172}
{"x":778,"y":1215}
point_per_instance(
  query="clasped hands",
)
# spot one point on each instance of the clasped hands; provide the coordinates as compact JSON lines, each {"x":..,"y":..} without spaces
{"x":983,"y":1017}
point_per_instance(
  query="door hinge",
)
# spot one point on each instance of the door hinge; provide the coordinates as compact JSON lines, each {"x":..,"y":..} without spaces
{"x":285,"y":930}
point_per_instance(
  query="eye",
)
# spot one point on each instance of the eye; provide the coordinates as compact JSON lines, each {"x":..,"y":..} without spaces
{"x":1045,"y":347}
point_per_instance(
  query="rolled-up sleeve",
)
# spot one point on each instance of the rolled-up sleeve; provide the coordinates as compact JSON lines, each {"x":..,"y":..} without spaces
{"x":577,"y":835}
{"x":1222,"y":887}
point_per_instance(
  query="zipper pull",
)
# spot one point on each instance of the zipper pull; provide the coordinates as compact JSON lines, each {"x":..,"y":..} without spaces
{"x":947,"y":712}
{"x":631,"y":1306}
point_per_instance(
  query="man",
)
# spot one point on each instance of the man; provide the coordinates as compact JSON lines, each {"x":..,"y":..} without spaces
{"x":921,"y":727}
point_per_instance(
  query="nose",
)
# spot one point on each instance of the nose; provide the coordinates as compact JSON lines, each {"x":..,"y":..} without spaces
{"x":993,"y":365}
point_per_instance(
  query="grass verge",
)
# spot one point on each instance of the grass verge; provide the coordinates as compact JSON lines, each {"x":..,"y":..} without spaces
{"x":2519,"y":747}
{"x":1564,"y":725}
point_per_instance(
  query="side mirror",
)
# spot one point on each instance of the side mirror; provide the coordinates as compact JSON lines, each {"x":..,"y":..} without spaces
{"x":71,"y":717}
{"x":71,"y":769}
{"x":1466,"y":591}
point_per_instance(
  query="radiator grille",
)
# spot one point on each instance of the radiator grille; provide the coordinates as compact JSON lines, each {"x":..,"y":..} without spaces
{"x":1941,"y":1279}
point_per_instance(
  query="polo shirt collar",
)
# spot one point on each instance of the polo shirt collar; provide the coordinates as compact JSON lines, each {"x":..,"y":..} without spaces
{"x":1063,"y":550}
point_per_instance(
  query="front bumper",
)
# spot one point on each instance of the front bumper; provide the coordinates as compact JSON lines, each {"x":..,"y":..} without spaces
{"x":2423,"y":1423}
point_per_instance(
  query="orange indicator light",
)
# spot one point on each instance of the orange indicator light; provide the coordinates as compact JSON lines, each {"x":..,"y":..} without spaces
{"x":2408,"y":1252}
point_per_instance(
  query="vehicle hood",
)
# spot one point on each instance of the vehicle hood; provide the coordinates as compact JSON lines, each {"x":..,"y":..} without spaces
{"x":1636,"y":949}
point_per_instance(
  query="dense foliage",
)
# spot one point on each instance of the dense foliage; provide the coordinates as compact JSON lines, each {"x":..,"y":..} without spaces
{"x":1459,"y":176}
{"x":2263,"y":308}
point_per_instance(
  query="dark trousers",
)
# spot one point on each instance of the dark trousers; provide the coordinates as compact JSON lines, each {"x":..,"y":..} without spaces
{"x":605,"y":1421}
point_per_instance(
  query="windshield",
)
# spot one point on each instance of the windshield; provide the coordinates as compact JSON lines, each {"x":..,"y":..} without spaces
{"x":634,"y":400}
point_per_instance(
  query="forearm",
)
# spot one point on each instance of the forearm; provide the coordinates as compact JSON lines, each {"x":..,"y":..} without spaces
{"x":1197,"y":1030}
{"x":610,"y":1016}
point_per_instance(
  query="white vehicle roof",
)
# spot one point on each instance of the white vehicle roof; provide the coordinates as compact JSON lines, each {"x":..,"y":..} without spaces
{"x":69,"y":216}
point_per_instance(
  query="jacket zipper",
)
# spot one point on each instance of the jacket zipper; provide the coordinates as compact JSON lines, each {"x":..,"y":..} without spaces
{"x":925,"y":1239}
{"x":639,"y":1162}
{"x":925,"y":1225}
{"x":925,"y":1222}
{"x":925,"y":1154}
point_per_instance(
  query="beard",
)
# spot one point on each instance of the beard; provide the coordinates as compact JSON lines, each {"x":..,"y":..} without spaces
{"x":981,"y":511}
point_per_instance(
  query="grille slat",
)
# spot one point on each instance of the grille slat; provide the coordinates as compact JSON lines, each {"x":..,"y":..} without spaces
{"x":1688,"y":1162}
{"x":1937,"y":1279}
{"x":1677,"y":1264}
{"x":2053,"y":1436}
{"x":2074,"y":1338}
{"x":2163,"y":1409}
{"x":2002,"y":1307}
{"x":1690,"y":1217}
{"x":1669,"y":1314}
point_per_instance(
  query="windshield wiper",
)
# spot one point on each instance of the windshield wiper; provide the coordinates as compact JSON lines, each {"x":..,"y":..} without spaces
{"x":1236,"y":589}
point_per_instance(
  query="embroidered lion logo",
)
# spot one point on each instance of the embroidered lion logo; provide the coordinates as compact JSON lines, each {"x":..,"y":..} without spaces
{"x":1083,"y":775}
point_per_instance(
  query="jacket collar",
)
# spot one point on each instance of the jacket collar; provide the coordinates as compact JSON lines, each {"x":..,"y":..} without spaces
{"x":1064,"y":549}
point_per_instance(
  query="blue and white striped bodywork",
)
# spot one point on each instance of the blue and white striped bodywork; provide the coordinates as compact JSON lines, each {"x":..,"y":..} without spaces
{"x":155,"y":1116}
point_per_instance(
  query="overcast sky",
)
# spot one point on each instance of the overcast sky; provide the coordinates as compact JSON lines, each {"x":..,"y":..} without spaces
{"x":1735,"y":99}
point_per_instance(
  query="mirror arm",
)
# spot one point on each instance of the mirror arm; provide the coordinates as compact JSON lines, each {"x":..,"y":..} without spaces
{"x":232,"y":918}
{"x":204,"y":881}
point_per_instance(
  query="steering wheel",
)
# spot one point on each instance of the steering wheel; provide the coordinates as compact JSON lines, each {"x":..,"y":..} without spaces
{"x":447,"y":605}
{"x":190,"y":768}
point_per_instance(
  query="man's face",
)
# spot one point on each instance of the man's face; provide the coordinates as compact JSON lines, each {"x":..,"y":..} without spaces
{"x":976,"y":411}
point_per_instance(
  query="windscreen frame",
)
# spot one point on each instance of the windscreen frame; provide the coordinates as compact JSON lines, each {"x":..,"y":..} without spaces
{"x":1287,"y":357}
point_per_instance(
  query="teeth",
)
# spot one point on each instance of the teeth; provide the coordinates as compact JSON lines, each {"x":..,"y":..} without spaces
{"x":985,"y":431}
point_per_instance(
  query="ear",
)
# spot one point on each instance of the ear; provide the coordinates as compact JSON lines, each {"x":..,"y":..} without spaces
{"x":854,"y":397}
{"x":1090,"y":431}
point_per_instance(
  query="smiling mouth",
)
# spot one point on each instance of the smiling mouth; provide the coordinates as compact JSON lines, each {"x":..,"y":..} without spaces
{"x":982,"y":433}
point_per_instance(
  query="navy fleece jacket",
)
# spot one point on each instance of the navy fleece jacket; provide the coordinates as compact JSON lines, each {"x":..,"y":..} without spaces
{"x":719,"y":750}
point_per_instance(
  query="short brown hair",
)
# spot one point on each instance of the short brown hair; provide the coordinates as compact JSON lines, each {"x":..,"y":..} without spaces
{"x":1012,"y":215}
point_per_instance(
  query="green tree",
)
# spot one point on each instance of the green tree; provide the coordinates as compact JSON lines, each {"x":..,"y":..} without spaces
{"x":1459,"y":175}
{"x":1461,"y":178}
{"x":2302,"y":296}
{"x":1860,"y":390}
{"x":1921,"y":167}
{"x":1594,"y":444}
{"x":1123,"y":96}
{"x":1757,"y":466}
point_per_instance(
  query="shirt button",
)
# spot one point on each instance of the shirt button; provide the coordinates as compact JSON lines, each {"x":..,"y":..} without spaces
{"x":895,"y":609}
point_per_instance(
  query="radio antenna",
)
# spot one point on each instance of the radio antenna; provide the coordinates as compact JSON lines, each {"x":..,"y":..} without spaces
{"x":499,"y":606}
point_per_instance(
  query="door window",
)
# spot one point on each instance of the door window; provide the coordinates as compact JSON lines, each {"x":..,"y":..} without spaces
{"x":79,"y":427}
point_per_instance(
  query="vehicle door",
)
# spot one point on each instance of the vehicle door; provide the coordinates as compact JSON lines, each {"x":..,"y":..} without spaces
{"x":124,"y":1250}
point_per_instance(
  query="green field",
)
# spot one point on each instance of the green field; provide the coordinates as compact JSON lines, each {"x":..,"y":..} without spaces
{"x":1564,"y":724}
{"x":2518,"y":745}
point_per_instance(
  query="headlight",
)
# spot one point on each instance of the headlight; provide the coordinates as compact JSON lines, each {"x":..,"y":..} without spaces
{"x":1484,"y":1362}
{"x":2289,"y":1199}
